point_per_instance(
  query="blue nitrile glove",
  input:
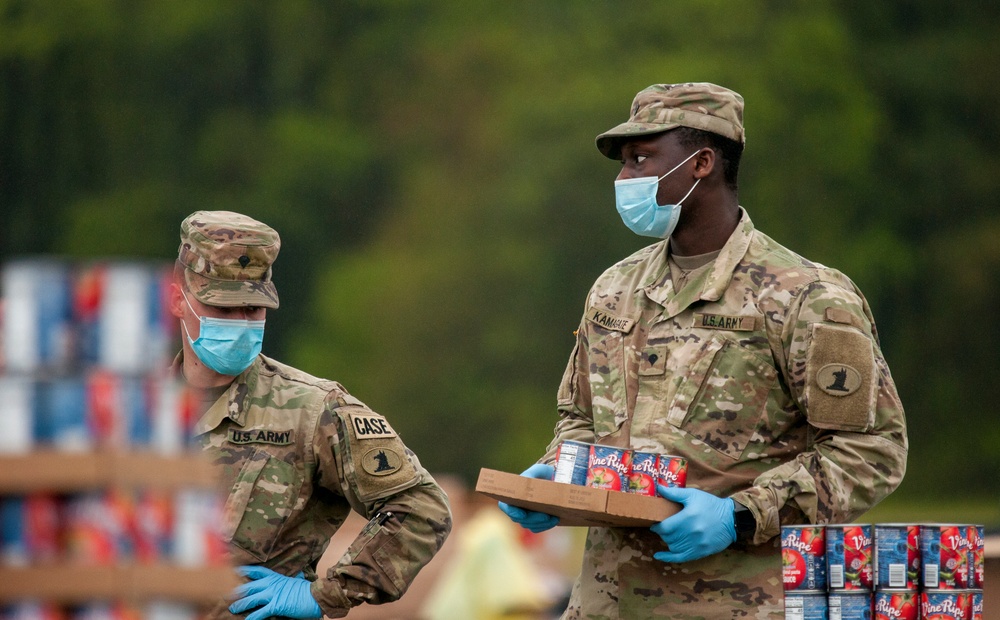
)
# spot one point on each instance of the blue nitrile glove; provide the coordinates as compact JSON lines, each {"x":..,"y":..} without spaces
{"x":537,"y":522}
{"x":703,"y":527}
{"x":275,"y":594}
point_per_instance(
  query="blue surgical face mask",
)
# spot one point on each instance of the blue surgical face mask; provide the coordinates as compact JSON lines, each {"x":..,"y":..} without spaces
{"x":636,"y":203}
{"x":227,"y":346}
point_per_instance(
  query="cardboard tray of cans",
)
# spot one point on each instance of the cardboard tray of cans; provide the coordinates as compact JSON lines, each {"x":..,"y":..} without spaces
{"x":575,"y":505}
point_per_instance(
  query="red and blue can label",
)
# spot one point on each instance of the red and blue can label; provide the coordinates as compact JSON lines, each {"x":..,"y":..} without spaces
{"x":850,"y":605}
{"x":805,"y":605}
{"x":976,"y":604}
{"x":897,"y":556}
{"x":849,"y":557}
{"x":672,"y":471}
{"x":944,"y":552}
{"x":896,"y":605}
{"x":643,"y":473}
{"x":945,"y":605}
{"x":608,"y":468}
{"x":803,"y":557}
{"x":977,"y":556}
{"x":572,"y":458}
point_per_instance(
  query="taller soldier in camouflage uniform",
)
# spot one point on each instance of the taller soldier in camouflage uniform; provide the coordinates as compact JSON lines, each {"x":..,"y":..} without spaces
{"x":717,"y":344}
{"x":298,"y":453}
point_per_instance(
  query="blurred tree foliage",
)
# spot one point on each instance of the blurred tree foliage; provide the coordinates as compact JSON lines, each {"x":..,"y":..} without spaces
{"x":431,"y":169}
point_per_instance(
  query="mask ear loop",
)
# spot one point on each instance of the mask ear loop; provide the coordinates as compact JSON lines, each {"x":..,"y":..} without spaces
{"x":696,"y":182}
{"x":678,"y":166}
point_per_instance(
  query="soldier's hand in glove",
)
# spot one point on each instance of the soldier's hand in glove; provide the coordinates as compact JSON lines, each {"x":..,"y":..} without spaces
{"x":275,"y":594}
{"x":703,"y":527}
{"x":535,"y":521}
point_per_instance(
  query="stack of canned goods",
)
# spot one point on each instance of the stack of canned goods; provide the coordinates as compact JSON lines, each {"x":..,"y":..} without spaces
{"x":617,"y":469}
{"x":888,"y":571}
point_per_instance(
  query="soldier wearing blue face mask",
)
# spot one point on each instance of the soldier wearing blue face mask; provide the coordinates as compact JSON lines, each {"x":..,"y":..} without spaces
{"x":719,"y":345}
{"x":297,"y":452}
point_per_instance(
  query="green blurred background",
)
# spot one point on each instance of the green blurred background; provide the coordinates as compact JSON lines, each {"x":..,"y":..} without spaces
{"x":432,"y":172}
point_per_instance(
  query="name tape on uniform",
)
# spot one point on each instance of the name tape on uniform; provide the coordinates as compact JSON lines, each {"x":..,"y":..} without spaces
{"x":736,"y":323}
{"x":609,"y":321}
{"x":371,"y":426}
{"x":277,"y":438}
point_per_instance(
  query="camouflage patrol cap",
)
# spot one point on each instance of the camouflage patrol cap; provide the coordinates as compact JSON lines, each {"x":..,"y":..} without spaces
{"x":661,"y":107}
{"x":227,"y":258}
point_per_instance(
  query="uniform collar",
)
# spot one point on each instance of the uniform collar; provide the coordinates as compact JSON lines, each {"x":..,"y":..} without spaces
{"x":233,"y":404}
{"x":708,"y":286}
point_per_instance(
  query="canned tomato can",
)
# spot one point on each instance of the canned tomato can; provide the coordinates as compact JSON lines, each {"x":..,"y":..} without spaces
{"x":896,"y":605}
{"x":976,"y":605}
{"x":608,"y":468}
{"x":844,"y":605}
{"x":572,"y":458}
{"x":944,"y":553}
{"x":897,"y":556}
{"x":672,"y":471}
{"x":806,"y":605}
{"x":803,"y":557}
{"x":37,"y":330}
{"x":18,"y":413}
{"x":643,"y":473}
{"x":944,"y":604}
{"x":133,"y":331}
{"x":849,"y":556}
{"x":977,"y":556}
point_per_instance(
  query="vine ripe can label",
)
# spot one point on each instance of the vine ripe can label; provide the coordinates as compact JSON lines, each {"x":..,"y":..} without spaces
{"x":856,"y":605}
{"x":896,"y":605}
{"x":803,"y":557}
{"x":977,"y":556}
{"x":672,"y":471}
{"x":608,"y":468}
{"x":849,"y":556}
{"x":806,"y":605}
{"x":643,"y":473}
{"x":944,"y":552}
{"x":976,"y":602}
{"x":897,"y":556}
{"x":572,"y":458}
{"x":945,"y":605}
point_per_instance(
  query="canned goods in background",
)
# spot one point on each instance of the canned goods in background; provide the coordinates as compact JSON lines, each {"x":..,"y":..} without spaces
{"x":119,"y":409}
{"x":897,"y":556}
{"x":32,"y":610}
{"x":803,"y":557}
{"x":18,"y":411}
{"x":644,"y":471}
{"x":98,"y":528}
{"x":608,"y":467}
{"x":896,"y":605}
{"x":672,"y":471}
{"x":849,"y":605}
{"x":197,"y":540}
{"x":134,"y":329}
{"x":977,"y":556}
{"x":945,"y":604}
{"x":976,"y":605}
{"x":944,"y":553}
{"x":806,"y":605}
{"x":572,"y":458}
{"x":173,"y":412}
{"x":849,"y":556}
{"x":37,"y":327}
{"x":154,"y":526}
{"x":63,"y":420}
{"x":170,"y":610}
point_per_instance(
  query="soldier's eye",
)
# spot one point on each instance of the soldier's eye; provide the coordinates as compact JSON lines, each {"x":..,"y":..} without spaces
{"x":640,"y":158}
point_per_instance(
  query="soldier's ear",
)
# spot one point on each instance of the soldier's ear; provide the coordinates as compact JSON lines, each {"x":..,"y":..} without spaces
{"x":176,"y":300}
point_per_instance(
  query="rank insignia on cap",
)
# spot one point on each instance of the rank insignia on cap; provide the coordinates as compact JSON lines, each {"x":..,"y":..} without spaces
{"x":381,"y":461}
{"x":244,"y":260}
{"x":838,"y":379}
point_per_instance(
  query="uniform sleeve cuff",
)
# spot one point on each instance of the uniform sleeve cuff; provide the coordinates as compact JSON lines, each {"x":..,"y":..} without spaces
{"x":331,"y":598}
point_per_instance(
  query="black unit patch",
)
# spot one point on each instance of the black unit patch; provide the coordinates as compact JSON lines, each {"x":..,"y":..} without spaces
{"x":381,"y":461}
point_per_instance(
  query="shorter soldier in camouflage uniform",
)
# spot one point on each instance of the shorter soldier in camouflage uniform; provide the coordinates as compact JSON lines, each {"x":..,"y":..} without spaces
{"x":298,"y":453}
{"x":717,"y":344}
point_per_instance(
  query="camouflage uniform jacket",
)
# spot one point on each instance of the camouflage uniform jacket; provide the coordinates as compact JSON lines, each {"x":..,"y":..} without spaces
{"x":765,"y":373}
{"x":297,"y":454}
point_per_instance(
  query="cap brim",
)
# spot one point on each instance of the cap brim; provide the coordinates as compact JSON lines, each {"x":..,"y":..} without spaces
{"x":609,"y":142}
{"x":231,"y":293}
